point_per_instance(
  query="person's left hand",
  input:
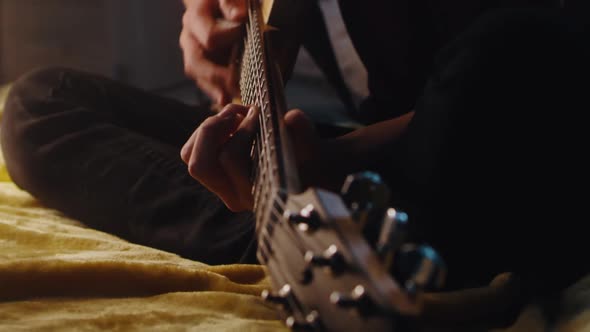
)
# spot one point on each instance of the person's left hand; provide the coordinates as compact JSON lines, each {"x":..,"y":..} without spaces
{"x":218,"y":155}
{"x":218,"y":152}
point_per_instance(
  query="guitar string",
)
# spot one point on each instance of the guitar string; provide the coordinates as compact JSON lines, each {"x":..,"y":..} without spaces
{"x":254,"y":82}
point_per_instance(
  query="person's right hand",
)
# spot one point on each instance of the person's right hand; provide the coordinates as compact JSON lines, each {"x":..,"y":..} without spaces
{"x":211,"y":28}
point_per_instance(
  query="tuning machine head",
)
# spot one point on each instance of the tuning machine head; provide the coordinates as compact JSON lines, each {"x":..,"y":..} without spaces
{"x":311,"y":322}
{"x":394,"y":230}
{"x":330,"y":260}
{"x":281,"y":298}
{"x":366,"y":195}
{"x":357,"y":299}
{"x":306,"y":220}
{"x":419,"y":268}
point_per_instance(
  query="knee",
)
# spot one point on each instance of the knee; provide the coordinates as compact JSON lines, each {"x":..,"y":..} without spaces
{"x":26,"y":102}
{"x":30,"y":97}
{"x":32,"y":90}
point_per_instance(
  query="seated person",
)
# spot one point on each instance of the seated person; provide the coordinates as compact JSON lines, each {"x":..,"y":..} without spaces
{"x":473,"y":112}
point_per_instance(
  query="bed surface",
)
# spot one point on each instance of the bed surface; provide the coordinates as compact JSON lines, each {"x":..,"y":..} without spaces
{"x":56,"y":274}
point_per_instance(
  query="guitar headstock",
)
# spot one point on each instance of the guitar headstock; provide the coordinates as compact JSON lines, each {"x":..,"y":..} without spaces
{"x":328,"y":275}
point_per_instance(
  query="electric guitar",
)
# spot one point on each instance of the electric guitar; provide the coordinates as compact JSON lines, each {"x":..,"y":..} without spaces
{"x":325,"y":274}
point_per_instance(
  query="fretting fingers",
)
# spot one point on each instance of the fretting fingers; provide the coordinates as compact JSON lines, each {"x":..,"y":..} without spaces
{"x":235,"y":159}
{"x":218,"y":155}
{"x":211,"y":135}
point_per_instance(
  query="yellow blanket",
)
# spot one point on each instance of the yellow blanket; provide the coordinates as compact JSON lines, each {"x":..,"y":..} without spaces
{"x":57,"y":275}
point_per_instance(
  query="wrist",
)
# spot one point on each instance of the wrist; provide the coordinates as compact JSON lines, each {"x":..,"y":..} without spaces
{"x":367,"y":146}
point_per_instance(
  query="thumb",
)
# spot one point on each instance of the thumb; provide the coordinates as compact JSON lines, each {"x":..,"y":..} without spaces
{"x":303,"y":133}
{"x":298,"y":122}
{"x":236,"y":161}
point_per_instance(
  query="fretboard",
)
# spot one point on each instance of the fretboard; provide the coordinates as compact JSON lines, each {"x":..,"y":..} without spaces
{"x":274,"y":173}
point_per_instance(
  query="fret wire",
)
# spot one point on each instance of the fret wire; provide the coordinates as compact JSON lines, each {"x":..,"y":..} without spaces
{"x":262,"y":181}
{"x":258,"y":168}
{"x":254,"y":159}
{"x":253,"y":149}
{"x":264,"y":125}
{"x":258,"y":162}
{"x":254,"y":86}
{"x":273,"y":191}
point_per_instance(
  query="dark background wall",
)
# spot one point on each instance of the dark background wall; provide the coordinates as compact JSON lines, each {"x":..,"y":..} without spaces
{"x":69,"y":32}
{"x":1,"y":42}
{"x":136,"y":41}
{"x":132,"y":40}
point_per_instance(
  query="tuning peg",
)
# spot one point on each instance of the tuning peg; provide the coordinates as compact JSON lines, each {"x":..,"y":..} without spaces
{"x":357,"y":299}
{"x":331,"y":258}
{"x":394,"y":229}
{"x":312,"y":322}
{"x":307,"y":219}
{"x":419,"y":268}
{"x":281,"y":298}
{"x":366,"y":195}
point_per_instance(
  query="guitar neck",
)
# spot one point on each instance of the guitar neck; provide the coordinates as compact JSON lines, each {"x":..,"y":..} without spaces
{"x":261,"y":84}
{"x":323,"y":272}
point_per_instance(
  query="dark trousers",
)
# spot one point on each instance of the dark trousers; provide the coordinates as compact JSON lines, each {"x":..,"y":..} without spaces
{"x":490,"y":169}
{"x":108,"y":155}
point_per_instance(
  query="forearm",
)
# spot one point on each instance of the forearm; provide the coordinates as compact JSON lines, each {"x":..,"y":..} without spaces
{"x":357,"y":151}
{"x":366,"y":146}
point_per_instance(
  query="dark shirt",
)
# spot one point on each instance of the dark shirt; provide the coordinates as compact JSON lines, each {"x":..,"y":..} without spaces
{"x":398,"y":42}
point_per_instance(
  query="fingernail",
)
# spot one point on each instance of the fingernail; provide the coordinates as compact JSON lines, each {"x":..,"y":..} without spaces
{"x":252,"y":111}
{"x":229,"y":115}
{"x":226,"y":112}
{"x":184,"y":152}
